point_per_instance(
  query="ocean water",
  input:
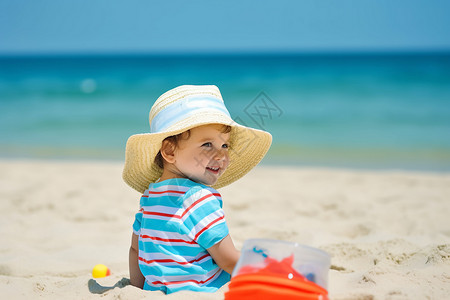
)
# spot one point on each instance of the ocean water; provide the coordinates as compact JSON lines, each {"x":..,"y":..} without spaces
{"x":350,"y":110}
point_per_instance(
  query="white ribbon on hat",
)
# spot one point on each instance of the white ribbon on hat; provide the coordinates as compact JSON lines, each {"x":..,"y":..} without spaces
{"x":184,"y":108}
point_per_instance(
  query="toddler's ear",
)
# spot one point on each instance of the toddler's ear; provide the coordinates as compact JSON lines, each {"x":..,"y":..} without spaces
{"x":168,"y":151}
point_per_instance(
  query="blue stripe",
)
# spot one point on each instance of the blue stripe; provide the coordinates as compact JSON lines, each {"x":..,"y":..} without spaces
{"x":210,"y":287}
{"x":151,"y":247}
{"x":213,"y":235}
{"x":164,"y":225}
{"x":176,"y":269}
{"x":184,"y":108}
{"x":163,"y":200}
{"x":137,"y":222}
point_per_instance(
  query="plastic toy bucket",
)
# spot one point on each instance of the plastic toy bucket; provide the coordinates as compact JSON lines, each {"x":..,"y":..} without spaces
{"x":271,"y":269}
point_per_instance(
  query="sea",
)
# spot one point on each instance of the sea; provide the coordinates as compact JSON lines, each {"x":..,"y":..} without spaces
{"x":350,"y":110}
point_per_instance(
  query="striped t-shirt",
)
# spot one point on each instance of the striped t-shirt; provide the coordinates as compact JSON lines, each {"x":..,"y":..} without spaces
{"x":178,"y":220}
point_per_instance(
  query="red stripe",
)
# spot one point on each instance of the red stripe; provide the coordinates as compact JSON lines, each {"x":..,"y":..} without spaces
{"x":160,"y":214}
{"x":167,"y":240}
{"x":184,"y":213}
{"x":195,"y":203}
{"x":163,"y":192}
{"x":207,"y":227}
{"x":186,"y":281}
{"x":171,"y":260}
{"x":168,"y":191}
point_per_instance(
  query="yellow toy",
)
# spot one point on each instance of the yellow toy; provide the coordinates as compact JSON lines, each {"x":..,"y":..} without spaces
{"x":100,"y":271}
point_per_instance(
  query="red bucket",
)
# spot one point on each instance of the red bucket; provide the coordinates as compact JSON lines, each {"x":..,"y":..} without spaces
{"x":269,"y":278}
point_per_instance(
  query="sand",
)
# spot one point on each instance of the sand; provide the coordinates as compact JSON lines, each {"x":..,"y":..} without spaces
{"x":388,"y":231}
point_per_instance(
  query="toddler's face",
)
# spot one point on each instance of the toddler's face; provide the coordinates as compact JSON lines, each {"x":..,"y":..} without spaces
{"x":203,"y":157}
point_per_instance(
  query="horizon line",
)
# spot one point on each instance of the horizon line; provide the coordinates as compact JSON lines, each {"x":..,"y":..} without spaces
{"x":318,"y":52}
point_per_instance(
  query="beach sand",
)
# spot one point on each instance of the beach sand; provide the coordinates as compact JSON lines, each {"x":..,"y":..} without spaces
{"x":388,"y":232}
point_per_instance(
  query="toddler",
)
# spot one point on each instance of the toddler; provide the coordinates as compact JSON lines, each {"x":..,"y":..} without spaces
{"x":180,"y":237}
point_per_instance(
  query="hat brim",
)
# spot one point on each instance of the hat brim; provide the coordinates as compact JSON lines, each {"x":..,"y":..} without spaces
{"x":248,"y":147}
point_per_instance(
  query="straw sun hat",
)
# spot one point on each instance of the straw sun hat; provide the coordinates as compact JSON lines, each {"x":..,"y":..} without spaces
{"x":178,"y":110}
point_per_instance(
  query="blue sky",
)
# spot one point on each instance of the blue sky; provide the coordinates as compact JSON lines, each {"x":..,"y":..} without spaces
{"x":86,"y":26}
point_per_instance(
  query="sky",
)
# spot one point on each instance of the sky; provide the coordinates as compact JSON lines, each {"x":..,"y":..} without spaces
{"x":182,"y":26}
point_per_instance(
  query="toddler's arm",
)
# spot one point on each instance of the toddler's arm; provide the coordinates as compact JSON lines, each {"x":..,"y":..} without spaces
{"x":225,"y":254}
{"x":136,"y":277}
